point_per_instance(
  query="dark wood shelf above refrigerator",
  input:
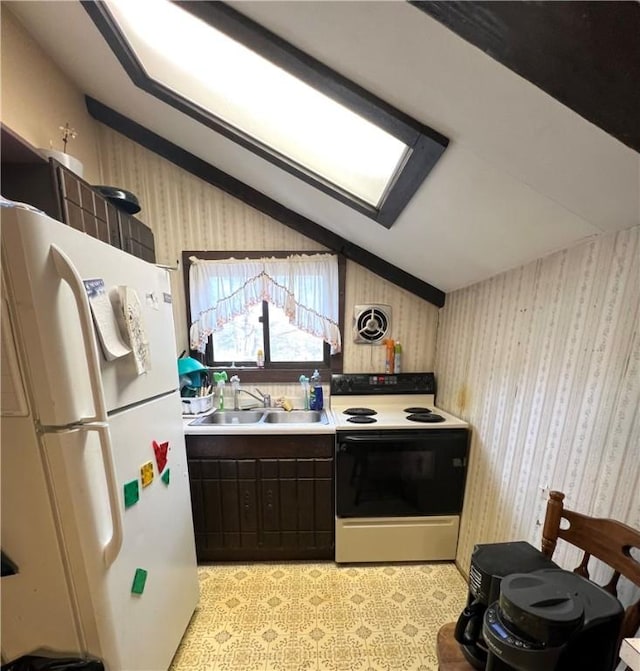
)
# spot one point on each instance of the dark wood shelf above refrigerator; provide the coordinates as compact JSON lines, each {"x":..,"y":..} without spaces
{"x":15,"y":149}
{"x":29,"y":177}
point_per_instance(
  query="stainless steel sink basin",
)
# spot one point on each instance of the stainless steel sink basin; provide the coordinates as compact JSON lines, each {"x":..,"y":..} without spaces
{"x":231,"y":417}
{"x":266,"y":416}
{"x":295,"y":417}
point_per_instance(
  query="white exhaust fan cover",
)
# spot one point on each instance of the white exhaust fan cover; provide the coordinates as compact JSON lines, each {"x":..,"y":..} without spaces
{"x":371,"y":323}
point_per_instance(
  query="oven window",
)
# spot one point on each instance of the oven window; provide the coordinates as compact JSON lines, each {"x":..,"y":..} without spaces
{"x":401,"y":474}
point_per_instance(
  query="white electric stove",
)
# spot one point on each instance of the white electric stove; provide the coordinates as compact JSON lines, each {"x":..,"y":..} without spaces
{"x":400,"y":469}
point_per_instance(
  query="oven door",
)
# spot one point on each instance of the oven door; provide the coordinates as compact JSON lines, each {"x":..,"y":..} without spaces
{"x":401,"y":473}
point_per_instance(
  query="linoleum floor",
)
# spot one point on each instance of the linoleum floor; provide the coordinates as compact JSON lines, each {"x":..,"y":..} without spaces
{"x":320,"y":617}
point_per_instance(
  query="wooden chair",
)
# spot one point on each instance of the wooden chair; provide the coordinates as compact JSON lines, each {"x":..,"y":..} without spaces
{"x":607,"y":540}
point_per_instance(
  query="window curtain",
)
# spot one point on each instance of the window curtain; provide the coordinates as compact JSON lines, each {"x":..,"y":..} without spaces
{"x":304,"y":286}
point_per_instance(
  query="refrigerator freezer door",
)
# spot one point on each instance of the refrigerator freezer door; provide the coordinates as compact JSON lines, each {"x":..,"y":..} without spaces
{"x":47,"y":318}
{"x":130,"y":623}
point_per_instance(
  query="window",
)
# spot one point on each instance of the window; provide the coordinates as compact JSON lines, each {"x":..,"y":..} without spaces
{"x":288,"y":306}
{"x":222,"y":69}
{"x":265,"y":327}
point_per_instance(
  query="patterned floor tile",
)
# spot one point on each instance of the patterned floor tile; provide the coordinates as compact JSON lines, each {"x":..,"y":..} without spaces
{"x":245,"y":653}
{"x":343,"y":652}
{"x":293,"y":654}
{"x":311,"y":616}
{"x":337,"y":615}
{"x":295,"y":616}
{"x":392,"y":651}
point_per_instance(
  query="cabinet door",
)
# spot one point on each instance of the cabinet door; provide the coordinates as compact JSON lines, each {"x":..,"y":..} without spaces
{"x":296,"y":504}
{"x":223,"y":497}
{"x":261,"y":506}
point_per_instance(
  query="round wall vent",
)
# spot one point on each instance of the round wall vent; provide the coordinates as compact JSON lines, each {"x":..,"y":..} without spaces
{"x":372,"y":323}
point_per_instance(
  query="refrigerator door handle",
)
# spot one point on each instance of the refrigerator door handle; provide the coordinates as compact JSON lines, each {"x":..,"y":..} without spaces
{"x":112,"y":547}
{"x":67,"y":272}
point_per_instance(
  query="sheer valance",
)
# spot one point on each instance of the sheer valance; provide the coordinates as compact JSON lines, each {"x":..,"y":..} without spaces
{"x":304,"y":286}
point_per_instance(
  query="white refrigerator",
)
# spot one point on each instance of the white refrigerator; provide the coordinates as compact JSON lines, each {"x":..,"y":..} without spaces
{"x":99,"y":526}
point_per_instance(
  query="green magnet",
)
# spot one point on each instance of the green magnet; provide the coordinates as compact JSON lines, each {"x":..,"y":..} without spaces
{"x":139,"y":579}
{"x":131,"y":493}
{"x":165,"y":476}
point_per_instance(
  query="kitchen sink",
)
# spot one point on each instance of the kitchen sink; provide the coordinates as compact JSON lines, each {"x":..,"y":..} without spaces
{"x":266,"y":416}
{"x":230,"y":417}
{"x":294,"y":417}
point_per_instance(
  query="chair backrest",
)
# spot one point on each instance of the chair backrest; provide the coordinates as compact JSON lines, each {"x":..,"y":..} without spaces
{"x":607,"y":540}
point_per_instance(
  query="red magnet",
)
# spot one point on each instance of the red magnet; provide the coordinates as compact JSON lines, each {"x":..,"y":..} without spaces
{"x":161,"y":454}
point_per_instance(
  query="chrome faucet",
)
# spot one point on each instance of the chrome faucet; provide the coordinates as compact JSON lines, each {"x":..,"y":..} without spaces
{"x":265,"y":399}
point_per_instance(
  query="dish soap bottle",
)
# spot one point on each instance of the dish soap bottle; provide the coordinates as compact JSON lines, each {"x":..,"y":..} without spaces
{"x":316,"y":400}
{"x":220,"y":379}
{"x":304,"y":382}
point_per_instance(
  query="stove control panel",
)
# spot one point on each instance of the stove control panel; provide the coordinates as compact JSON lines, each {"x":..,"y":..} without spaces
{"x":382,"y":383}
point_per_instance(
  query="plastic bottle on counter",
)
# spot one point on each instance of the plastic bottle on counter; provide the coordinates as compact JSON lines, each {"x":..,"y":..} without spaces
{"x":260,"y":359}
{"x":316,"y":401}
{"x":389,"y":356}
{"x":397,"y":356}
{"x":304,"y":382}
{"x":220,"y":378}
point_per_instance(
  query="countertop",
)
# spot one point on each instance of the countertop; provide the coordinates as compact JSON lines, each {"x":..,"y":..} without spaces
{"x":259,"y":429}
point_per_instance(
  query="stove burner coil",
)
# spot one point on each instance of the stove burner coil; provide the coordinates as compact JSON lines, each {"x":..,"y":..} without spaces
{"x":417,"y":409}
{"x":359,"y":411}
{"x":426,"y":417}
{"x":361,"y":419}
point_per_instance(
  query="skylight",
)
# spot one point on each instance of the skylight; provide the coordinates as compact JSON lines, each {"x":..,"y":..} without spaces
{"x":197,"y":59}
{"x":259,"y":98}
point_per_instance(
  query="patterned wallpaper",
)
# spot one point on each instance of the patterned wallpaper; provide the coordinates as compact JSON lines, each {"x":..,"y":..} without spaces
{"x":544,"y":362}
{"x":187,"y":213}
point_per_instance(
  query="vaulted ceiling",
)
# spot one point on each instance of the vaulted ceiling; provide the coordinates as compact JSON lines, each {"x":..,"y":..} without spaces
{"x":524,"y":174}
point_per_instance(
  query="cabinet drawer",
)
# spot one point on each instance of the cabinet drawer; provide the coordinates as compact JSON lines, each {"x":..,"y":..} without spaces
{"x":262,"y":447}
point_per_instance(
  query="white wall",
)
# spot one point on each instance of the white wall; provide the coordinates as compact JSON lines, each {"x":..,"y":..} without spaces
{"x":37,"y":98}
{"x":544,"y":362}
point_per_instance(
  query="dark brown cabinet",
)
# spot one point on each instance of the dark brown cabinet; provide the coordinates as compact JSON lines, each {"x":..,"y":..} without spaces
{"x":84,"y":209}
{"x":136,"y":238}
{"x":60,"y":193}
{"x":262,"y":497}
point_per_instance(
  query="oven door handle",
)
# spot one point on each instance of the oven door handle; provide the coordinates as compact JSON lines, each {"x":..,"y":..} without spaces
{"x":397,"y":437}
